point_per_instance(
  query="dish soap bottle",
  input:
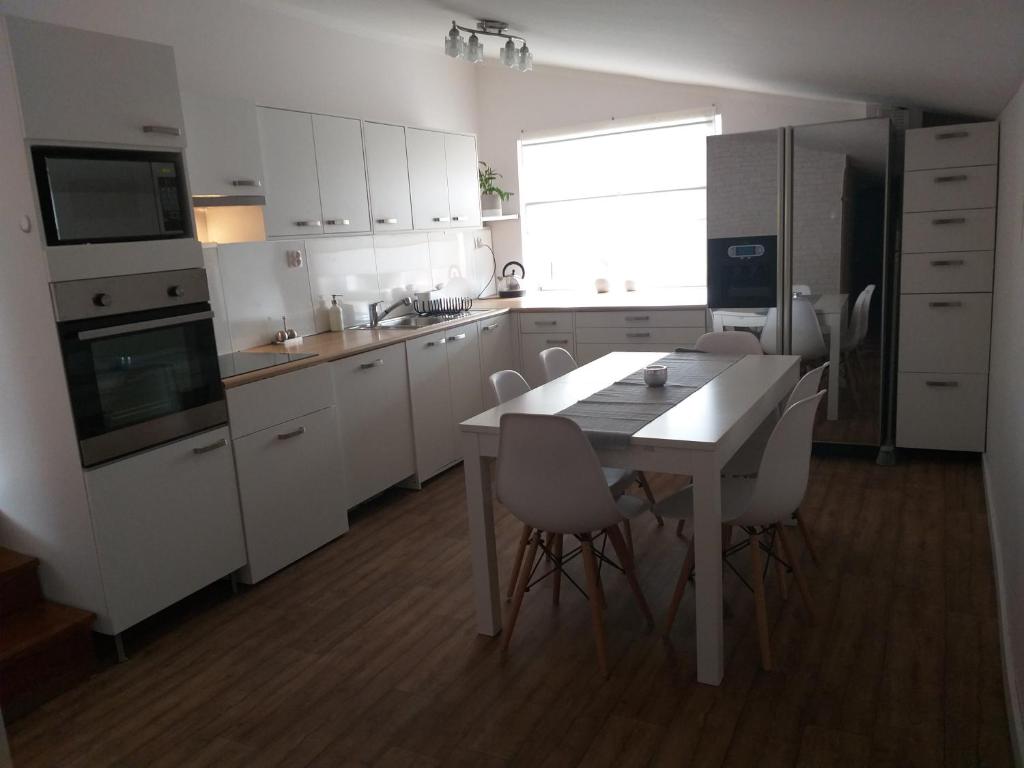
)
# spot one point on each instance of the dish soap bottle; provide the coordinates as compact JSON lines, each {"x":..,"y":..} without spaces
{"x":334,"y":313}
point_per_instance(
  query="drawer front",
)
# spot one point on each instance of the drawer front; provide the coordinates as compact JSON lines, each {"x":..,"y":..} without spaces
{"x":643,"y":318}
{"x":531,"y":345}
{"x":945,"y":332}
{"x":262,"y":404}
{"x":952,"y":146}
{"x":960,"y":272}
{"x":949,"y":189}
{"x":960,"y":230}
{"x":589,"y":352}
{"x":941,"y":411}
{"x":627,"y":336}
{"x":545,"y":322}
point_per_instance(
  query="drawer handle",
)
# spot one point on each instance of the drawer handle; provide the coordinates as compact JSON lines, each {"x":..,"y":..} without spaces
{"x":952,"y":135}
{"x":489,"y":327}
{"x":457,"y":337}
{"x":637,"y":318}
{"x":936,"y":304}
{"x":947,"y":262}
{"x":390,"y":220}
{"x":545,"y":322}
{"x":437,"y":343}
{"x":946,"y":179}
{"x":246,"y":183}
{"x":441,"y":219}
{"x":164,"y":130}
{"x":456,"y":218}
{"x":556,"y":341}
{"x":211,"y":447}
{"x":337,"y":222}
{"x":308,"y":223}
{"x":375,"y":364}
{"x":953,"y":220}
{"x":644,"y":335}
{"x":294,"y":433}
{"x":936,"y":383}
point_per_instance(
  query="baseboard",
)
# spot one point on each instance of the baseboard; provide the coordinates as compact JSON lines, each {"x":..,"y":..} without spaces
{"x":1013,"y":702}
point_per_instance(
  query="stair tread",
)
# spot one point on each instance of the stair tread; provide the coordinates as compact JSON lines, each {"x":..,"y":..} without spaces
{"x":12,"y":562}
{"x":22,"y":630}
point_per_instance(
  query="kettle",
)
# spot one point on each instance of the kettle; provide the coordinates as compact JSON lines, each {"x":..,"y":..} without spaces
{"x":508,"y":284}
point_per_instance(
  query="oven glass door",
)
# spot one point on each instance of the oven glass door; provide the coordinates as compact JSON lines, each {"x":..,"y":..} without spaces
{"x":142,"y":379}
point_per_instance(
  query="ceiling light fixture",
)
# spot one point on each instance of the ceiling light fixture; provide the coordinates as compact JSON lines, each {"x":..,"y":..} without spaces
{"x":473,"y":51}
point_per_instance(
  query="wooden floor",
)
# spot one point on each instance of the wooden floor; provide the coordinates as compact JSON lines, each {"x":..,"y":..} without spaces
{"x":365,"y":653}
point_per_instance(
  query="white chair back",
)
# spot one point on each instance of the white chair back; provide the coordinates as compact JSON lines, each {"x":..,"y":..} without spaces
{"x":807,"y":385}
{"x":808,"y":341}
{"x":861,"y":317}
{"x":549,"y":477}
{"x":729,"y":343}
{"x":556,"y":362}
{"x":508,"y":385}
{"x":785,"y":464}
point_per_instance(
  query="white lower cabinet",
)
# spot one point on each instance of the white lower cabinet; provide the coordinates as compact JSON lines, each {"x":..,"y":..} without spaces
{"x":945,"y":412}
{"x":166,"y":523}
{"x":293,"y":493}
{"x":497,"y":352}
{"x":371,"y":392}
{"x":463,"y":345}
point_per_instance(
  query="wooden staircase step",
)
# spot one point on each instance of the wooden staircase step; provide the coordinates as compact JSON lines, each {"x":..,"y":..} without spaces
{"x":19,"y":582}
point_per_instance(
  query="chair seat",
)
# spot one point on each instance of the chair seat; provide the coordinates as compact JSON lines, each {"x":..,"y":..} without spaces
{"x":618,"y":479}
{"x":631,"y":507}
{"x":736,"y":494}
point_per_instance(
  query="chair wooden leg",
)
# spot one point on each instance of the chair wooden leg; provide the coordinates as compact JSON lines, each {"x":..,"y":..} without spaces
{"x":629,"y":566}
{"x":798,"y":574}
{"x":760,"y":606}
{"x":628,"y":530}
{"x":556,"y":589}
{"x":523,"y":581}
{"x":806,"y":534}
{"x":780,"y":569}
{"x":677,"y":596}
{"x":594,"y":592}
{"x":524,"y":539}
{"x":645,"y":486}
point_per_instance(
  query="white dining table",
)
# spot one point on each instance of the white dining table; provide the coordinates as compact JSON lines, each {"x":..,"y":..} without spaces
{"x":696,"y":437}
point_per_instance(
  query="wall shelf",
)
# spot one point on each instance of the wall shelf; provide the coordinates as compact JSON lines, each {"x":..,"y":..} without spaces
{"x":503,"y":217}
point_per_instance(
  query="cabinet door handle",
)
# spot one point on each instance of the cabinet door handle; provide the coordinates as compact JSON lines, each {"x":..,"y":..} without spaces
{"x":952,"y":135}
{"x":375,"y":364}
{"x":456,"y":218}
{"x":947,"y":262}
{"x":637,"y":318}
{"x":938,"y":304}
{"x":947,"y":179}
{"x":556,"y":341}
{"x":437,"y":343}
{"x":457,"y":337}
{"x":308,"y":223}
{"x":294,"y":433}
{"x":246,"y":183}
{"x":387,"y":221}
{"x":953,"y":220}
{"x":337,"y":222}
{"x":164,"y":130}
{"x":545,"y":322}
{"x":490,"y":327}
{"x":211,"y":447}
{"x":936,"y":383}
{"x":441,"y":219}
{"x":644,"y":335}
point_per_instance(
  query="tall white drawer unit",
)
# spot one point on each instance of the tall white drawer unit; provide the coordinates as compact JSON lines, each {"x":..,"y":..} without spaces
{"x":949,"y":211}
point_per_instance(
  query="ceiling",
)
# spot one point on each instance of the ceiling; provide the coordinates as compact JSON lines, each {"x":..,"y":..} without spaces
{"x":947,"y":55}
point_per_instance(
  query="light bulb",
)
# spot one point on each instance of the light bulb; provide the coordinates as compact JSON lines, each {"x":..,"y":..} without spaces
{"x":508,"y":54}
{"x":454,"y":45}
{"x":474,"y":50}
{"x":525,"y":59}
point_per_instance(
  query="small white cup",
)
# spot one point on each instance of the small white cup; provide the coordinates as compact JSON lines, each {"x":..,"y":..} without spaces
{"x":601,"y":285}
{"x":655,"y":375}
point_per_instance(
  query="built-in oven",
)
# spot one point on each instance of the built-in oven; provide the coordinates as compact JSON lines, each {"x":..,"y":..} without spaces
{"x":140,"y":359}
{"x":92,"y":195}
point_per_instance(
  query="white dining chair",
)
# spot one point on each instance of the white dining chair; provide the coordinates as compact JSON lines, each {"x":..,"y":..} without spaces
{"x":508,"y":385}
{"x":549,"y":477}
{"x":556,"y":362}
{"x":729,"y":343}
{"x":860,"y":320}
{"x":807,"y":339}
{"x":760,"y":505}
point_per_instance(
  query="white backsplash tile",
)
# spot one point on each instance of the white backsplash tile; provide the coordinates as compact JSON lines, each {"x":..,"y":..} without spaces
{"x":221,"y":328}
{"x":260,"y":287}
{"x":403,"y":264}
{"x":454,"y":255}
{"x":346,"y":266}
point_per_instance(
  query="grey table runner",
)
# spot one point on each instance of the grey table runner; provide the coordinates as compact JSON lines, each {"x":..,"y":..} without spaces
{"x":610,"y":417}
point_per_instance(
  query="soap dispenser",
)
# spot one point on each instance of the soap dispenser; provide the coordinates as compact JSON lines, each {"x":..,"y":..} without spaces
{"x":334,"y":313}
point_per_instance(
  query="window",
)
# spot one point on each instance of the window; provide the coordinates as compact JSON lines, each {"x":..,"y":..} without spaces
{"x":622,"y":203}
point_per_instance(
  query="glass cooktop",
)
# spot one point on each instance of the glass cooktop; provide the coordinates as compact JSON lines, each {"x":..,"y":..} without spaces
{"x":237,"y":363}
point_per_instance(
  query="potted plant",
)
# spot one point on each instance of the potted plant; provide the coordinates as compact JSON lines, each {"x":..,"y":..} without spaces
{"x":491,"y":195}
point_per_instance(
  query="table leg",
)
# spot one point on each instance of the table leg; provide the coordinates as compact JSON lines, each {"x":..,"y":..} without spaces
{"x":480,"y":508}
{"x":707,"y":543}
{"x":834,"y":347}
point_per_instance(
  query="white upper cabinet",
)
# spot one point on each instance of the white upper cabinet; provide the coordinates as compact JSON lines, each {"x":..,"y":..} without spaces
{"x":463,"y":186}
{"x":388,"y":175}
{"x":289,"y":163}
{"x":341,"y":171}
{"x":223,"y":146}
{"x":428,"y":179}
{"x":90,"y":87}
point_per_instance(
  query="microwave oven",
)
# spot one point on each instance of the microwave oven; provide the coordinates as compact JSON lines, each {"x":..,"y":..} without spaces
{"x":92,"y":195}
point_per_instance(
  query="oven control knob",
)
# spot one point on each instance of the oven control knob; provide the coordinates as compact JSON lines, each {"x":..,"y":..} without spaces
{"x":175,"y":291}
{"x":101,"y":300}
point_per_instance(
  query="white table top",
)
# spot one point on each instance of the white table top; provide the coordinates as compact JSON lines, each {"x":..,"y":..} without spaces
{"x":702,"y":421}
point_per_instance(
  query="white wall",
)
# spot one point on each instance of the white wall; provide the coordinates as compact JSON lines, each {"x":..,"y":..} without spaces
{"x":1004,"y":458}
{"x":43,"y":507}
{"x":228,"y":47}
{"x":511,"y":103}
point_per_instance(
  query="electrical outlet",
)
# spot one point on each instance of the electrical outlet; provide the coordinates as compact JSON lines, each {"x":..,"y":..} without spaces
{"x":478,"y":242}
{"x":294,"y":258}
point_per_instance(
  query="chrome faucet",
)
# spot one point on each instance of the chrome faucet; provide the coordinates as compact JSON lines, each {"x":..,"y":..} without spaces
{"x":377,"y":314}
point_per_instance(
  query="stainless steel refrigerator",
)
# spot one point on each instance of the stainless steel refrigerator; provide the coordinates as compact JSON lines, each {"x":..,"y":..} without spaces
{"x":800,"y":253}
